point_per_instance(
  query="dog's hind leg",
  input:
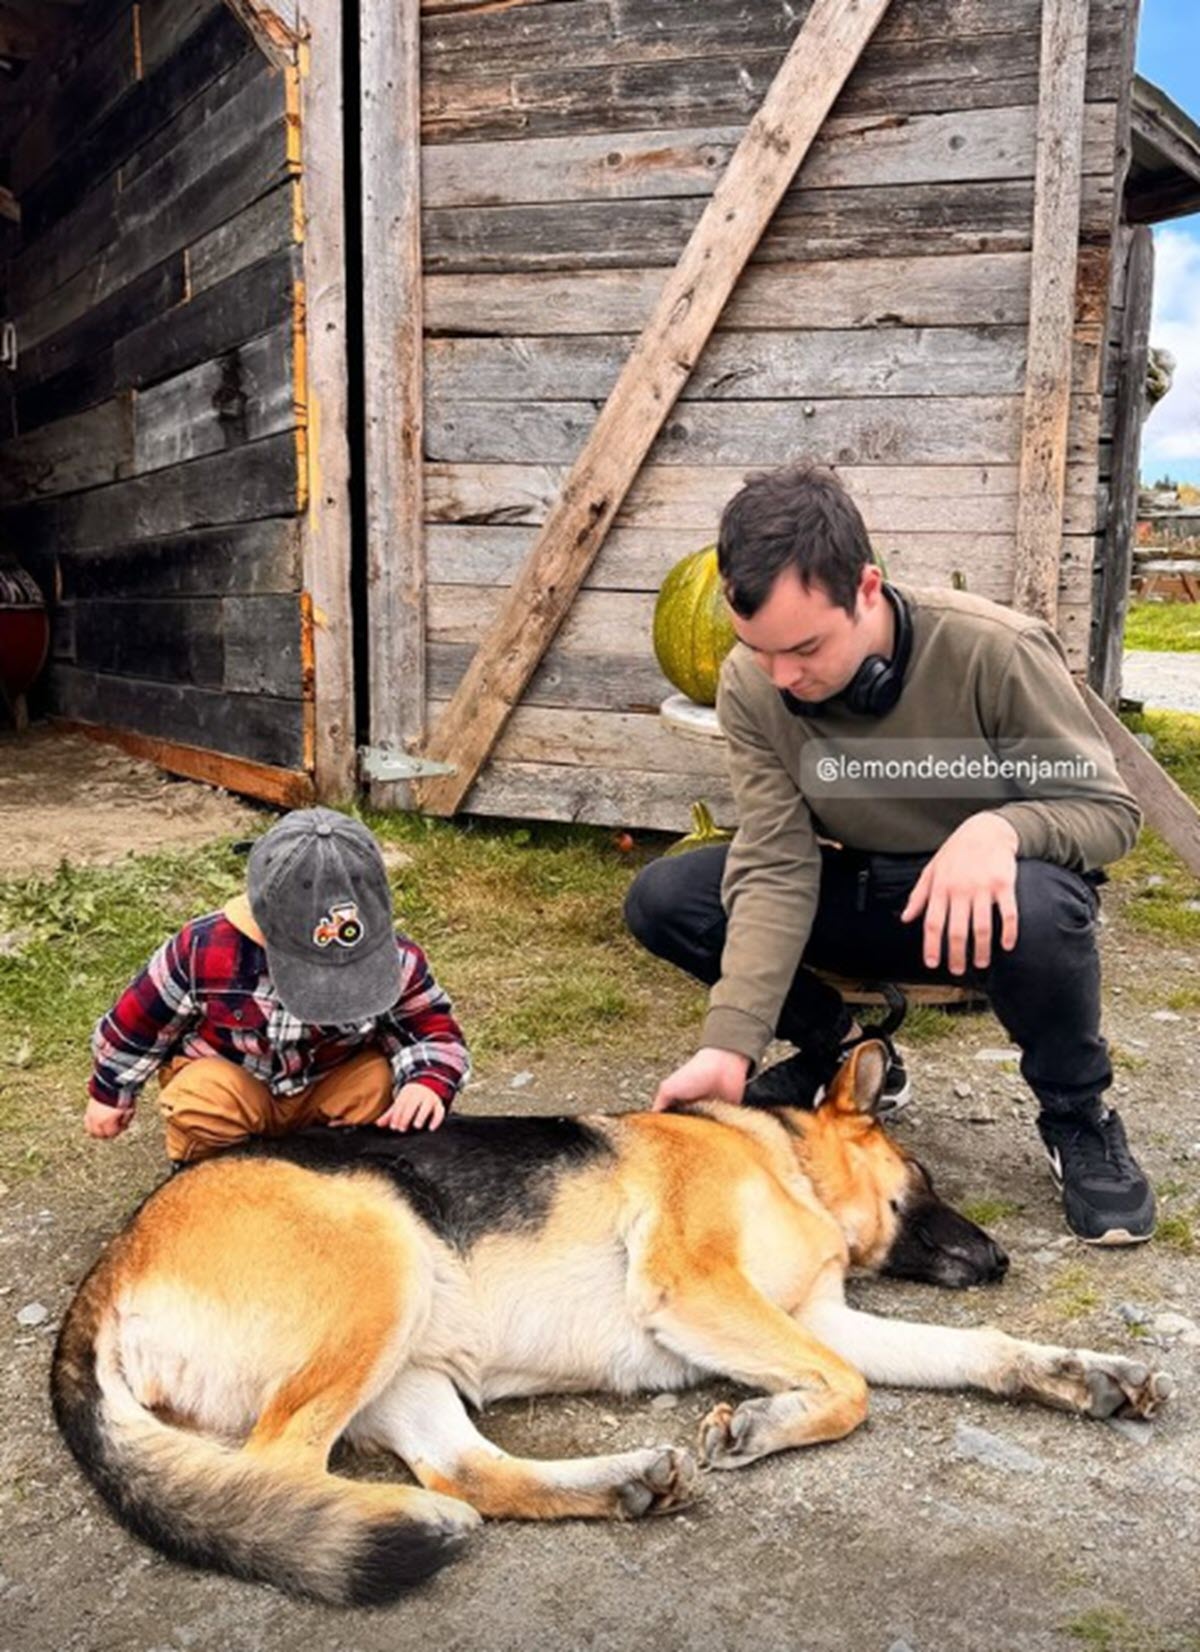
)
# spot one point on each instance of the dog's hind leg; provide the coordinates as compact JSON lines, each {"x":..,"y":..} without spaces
{"x":937,"y":1356}
{"x":421,"y":1417}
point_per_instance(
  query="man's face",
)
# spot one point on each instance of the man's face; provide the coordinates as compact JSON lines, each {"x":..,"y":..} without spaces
{"x":804,"y":642}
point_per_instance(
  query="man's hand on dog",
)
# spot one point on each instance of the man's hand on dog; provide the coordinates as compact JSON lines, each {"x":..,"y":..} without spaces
{"x":710,"y":1075}
{"x":416,"y":1107}
{"x":973,"y":872}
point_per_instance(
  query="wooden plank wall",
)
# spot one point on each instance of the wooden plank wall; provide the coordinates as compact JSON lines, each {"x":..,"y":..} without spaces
{"x":154,"y":464}
{"x":569,"y":146}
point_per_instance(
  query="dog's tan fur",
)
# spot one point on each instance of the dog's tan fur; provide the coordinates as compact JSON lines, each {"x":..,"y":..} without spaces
{"x":255,"y":1311}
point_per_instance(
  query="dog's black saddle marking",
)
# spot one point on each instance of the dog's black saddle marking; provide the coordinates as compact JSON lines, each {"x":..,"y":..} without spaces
{"x":472,"y":1177}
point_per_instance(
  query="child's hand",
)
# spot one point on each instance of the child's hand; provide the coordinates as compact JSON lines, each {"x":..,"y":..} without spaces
{"x":416,"y":1107}
{"x":103,"y":1121}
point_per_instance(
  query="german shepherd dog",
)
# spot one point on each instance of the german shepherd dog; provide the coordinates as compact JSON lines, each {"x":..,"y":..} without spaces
{"x":364,"y":1284}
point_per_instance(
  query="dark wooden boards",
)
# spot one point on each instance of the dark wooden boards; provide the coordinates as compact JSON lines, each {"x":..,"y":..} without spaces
{"x":157,"y":474}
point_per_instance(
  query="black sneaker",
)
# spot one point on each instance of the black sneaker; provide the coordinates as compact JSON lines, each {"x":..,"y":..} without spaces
{"x":801,"y":1079}
{"x":1105,"y":1195}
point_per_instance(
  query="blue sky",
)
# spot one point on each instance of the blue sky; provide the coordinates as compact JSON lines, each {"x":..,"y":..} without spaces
{"x":1169,"y":55}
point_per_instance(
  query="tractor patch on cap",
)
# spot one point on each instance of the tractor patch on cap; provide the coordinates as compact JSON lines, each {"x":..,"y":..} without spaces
{"x":341,"y":925}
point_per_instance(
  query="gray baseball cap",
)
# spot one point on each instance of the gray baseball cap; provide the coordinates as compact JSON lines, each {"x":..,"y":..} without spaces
{"x":319,"y":892}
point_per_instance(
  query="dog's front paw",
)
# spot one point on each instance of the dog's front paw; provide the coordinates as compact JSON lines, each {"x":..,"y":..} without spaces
{"x":663,"y":1480}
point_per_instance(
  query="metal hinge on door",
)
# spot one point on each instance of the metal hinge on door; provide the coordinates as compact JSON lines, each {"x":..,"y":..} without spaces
{"x":381,"y":763}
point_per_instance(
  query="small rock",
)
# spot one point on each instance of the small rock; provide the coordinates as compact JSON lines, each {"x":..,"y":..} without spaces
{"x":395,"y":859}
{"x":1171,"y":1325}
{"x":33,"y":1313}
{"x":997,"y":1055}
{"x":1045,"y":1257}
{"x":1155,"y":881}
{"x":1133,"y":1313}
{"x":664,"y":1402}
{"x":900,"y":1646}
{"x":1132,"y":1429}
{"x":1165,"y":1015}
{"x":963,"y":1090}
{"x":976,"y":1445}
{"x":519,"y":1080}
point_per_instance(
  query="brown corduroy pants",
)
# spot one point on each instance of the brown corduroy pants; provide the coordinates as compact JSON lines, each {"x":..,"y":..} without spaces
{"x":210,"y":1104}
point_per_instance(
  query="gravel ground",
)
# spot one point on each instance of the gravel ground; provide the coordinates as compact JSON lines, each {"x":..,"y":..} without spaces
{"x":948,"y":1523}
{"x":1164,"y":682}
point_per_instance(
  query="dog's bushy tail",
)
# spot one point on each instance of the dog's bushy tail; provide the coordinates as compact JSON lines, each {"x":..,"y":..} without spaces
{"x":261,"y":1515}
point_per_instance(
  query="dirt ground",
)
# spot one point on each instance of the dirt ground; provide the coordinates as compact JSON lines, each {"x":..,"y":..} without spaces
{"x":63,"y":796}
{"x":949,"y":1523}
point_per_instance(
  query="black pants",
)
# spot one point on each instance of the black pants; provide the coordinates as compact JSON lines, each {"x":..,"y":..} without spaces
{"x":1045,"y":992}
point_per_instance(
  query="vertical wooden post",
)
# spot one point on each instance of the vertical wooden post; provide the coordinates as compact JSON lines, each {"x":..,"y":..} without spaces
{"x":1123,"y":486}
{"x":1051,"y":307}
{"x":325,"y":525}
{"x":392,"y":329}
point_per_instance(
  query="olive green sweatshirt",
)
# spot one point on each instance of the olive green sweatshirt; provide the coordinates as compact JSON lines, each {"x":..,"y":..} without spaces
{"x":981,"y":679}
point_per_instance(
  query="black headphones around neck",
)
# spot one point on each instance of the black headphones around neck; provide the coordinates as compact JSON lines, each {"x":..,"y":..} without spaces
{"x":875,"y":686}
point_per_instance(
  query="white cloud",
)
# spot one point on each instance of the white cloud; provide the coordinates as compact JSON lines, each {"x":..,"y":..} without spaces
{"x":1171,"y":437}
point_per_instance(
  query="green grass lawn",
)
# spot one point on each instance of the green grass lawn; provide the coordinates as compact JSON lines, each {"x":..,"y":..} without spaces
{"x":1163,"y":627}
{"x":1162,"y":895}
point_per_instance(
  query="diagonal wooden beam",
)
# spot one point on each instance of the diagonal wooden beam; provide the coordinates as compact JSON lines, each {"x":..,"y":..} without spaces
{"x":1056,"y":196}
{"x":821,"y":57}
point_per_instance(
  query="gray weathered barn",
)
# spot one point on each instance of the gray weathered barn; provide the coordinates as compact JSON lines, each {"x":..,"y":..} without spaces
{"x":291,"y":398}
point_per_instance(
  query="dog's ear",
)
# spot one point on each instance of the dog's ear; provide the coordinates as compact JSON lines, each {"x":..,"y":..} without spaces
{"x":858,"y":1084}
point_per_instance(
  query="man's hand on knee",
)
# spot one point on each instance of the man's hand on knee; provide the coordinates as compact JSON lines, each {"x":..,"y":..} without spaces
{"x":974,"y":872}
{"x":711,"y":1075}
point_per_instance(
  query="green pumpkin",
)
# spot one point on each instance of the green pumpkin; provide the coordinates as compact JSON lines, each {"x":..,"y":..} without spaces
{"x":692,"y":629}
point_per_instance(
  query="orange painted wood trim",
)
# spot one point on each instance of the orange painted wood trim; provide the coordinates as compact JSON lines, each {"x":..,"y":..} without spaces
{"x":289,"y":788}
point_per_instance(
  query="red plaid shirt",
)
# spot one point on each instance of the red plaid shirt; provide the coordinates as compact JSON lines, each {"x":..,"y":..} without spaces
{"x":207,"y":991}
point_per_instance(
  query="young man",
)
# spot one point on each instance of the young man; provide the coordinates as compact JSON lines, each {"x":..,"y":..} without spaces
{"x":297,"y":1004}
{"x":855,"y":853}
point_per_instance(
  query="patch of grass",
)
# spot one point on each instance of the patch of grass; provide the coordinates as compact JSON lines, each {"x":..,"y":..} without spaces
{"x":1184,"y":998}
{"x":988,"y":1211}
{"x":1177,"y":1230}
{"x":931,"y":1024}
{"x":1159,"y":889}
{"x":1126,"y":1059}
{"x":1163,"y":627}
{"x":1111,"y":1629}
{"x":1073,"y":1291}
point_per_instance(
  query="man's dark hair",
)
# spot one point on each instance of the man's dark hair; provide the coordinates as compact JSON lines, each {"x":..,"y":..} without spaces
{"x":800,"y":518}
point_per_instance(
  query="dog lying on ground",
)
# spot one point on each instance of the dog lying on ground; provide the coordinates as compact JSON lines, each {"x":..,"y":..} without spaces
{"x":363,"y":1284}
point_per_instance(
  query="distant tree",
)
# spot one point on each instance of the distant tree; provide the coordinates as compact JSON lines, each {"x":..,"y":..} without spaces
{"x":1165,"y":484}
